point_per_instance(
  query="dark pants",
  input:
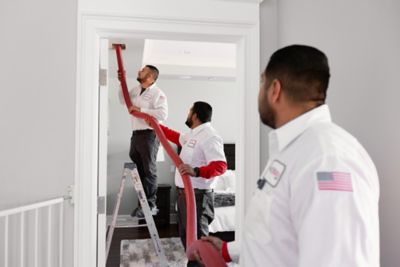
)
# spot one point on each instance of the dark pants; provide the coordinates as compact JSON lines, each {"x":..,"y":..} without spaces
{"x":205,"y":214}
{"x":144,"y":148}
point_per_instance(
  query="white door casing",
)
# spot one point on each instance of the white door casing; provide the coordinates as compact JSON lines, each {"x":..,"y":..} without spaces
{"x":88,"y":160}
{"x":102,"y":150}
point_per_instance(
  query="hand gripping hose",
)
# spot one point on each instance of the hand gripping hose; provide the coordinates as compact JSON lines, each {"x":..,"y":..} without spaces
{"x":209,"y":255}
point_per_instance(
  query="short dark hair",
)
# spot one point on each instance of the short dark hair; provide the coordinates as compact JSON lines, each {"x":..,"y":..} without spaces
{"x":154,"y":70}
{"x":303,"y":72}
{"x":203,"y":111}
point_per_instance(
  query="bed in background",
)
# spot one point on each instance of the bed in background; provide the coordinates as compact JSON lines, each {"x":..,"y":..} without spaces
{"x":223,"y":224}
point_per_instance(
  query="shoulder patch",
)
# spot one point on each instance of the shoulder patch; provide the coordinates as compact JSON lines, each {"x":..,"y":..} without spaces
{"x":334,"y":181}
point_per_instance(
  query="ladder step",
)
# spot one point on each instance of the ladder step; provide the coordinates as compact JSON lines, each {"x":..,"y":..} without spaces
{"x":130,"y":170}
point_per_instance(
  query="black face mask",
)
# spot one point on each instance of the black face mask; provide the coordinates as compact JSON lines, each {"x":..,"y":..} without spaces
{"x":189,"y":122}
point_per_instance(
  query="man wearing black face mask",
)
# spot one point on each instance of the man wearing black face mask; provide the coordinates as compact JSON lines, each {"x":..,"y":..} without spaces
{"x":204,"y":159}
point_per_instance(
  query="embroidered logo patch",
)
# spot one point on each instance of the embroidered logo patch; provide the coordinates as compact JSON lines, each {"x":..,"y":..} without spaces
{"x":192,"y":143}
{"x":334,"y":181}
{"x":147,"y":97}
{"x":274,"y":173}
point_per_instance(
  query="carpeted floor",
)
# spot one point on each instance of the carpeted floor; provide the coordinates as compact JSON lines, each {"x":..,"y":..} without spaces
{"x":141,"y":253}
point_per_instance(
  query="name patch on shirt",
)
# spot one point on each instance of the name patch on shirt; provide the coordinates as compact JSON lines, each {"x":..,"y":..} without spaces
{"x":192,"y":143}
{"x":334,"y":181}
{"x":272,"y":174}
{"x":147,"y":97}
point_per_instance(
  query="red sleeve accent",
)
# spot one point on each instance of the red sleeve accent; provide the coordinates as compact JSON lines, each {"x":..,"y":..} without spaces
{"x":215,"y":168}
{"x":225,"y":252}
{"x":171,"y":135}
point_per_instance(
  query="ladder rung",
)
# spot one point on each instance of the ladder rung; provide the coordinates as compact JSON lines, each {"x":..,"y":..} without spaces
{"x":130,"y":169}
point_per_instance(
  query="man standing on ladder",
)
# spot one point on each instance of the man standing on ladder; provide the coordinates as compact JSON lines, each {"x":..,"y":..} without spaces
{"x":204,"y":159}
{"x":147,"y":98}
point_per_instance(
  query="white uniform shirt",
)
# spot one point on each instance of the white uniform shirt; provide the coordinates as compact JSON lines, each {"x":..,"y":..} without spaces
{"x":200,"y":146}
{"x":317,"y":200}
{"x":153,"y":102}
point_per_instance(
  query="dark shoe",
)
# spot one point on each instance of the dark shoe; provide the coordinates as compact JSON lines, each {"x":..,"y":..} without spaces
{"x":154,"y":211}
{"x":140,"y":214}
{"x":137,"y":211}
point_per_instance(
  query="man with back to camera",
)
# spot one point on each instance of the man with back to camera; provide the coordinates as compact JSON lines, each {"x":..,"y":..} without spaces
{"x":316,"y":203}
{"x":203,"y":159}
{"x":147,"y":98}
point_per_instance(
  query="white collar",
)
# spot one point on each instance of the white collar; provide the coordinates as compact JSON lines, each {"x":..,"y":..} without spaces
{"x":152,"y":86}
{"x":200,"y":128}
{"x":281,"y":137}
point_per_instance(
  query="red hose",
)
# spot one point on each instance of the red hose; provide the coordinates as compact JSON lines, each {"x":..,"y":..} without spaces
{"x":210,"y":256}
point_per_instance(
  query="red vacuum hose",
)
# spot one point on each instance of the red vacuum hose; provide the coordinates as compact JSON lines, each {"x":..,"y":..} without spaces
{"x":210,"y":256}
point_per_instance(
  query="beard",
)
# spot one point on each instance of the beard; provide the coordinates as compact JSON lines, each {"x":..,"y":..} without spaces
{"x":268,"y":116}
{"x":139,"y":79}
{"x":189,"y":122}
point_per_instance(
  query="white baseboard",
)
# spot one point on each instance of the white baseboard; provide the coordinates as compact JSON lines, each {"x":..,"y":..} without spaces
{"x":128,"y":221}
{"x":124,"y":221}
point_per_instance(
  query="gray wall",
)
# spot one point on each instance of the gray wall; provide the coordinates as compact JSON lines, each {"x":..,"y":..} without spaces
{"x":361,"y":40}
{"x":37,"y":103}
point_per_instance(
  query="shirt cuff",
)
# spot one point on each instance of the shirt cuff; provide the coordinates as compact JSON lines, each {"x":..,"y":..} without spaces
{"x":214,"y":168}
{"x":233,"y":250}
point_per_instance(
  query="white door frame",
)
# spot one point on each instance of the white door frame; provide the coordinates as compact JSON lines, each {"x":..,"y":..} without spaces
{"x":102,"y":152}
{"x":95,"y":27}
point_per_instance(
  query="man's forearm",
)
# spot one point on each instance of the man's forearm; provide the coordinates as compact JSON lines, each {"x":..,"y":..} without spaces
{"x":215,"y":168}
{"x":172,"y":136}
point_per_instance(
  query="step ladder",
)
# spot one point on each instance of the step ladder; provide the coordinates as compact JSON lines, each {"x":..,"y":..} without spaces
{"x":131,"y":170}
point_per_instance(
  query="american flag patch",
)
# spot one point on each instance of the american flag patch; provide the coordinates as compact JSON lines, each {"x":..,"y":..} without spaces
{"x":335,"y":181}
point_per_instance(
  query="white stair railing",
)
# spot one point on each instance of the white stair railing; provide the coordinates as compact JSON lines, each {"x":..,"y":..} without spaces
{"x":32,"y":235}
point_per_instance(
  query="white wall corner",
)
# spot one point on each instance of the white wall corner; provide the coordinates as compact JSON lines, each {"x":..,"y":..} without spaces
{"x":269,"y":38}
{"x":245,"y":1}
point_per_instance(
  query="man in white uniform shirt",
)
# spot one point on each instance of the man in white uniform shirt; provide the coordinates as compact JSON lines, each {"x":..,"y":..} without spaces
{"x":147,"y":98}
{"x":204,"y":159}
{"x":316,"y":202}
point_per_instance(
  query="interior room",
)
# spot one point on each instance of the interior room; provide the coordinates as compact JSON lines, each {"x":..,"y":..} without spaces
{"x":65,"y":133}
{"x":183,"y":83}
{"x":189,"y":72}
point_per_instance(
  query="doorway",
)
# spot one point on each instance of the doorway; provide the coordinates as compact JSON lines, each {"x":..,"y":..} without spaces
{"x":189,"y":71}
{"x":88,"y":115}
{"x":185,"y":78}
